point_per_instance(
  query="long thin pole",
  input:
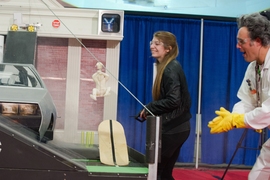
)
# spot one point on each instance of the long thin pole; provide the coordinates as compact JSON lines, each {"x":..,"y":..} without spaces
{"x":198,"y":116}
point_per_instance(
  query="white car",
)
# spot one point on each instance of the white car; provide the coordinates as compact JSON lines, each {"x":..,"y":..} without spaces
{"x":25,"y":99}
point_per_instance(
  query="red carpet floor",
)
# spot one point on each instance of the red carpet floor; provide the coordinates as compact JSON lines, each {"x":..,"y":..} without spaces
{"x":209,"y":174}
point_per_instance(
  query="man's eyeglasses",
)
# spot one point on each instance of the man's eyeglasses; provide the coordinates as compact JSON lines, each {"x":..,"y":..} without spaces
{"x":242,"y":41}
{"x":156,"y":43}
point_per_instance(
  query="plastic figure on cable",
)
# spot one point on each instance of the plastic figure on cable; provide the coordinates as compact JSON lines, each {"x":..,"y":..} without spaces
{"x":100,"y":79}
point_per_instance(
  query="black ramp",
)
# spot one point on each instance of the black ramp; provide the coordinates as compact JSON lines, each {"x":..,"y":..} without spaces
{"x":21,"y":155}
{"x":20,"y":47}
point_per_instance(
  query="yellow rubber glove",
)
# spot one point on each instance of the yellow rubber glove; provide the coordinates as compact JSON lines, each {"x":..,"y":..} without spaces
{"x":226,"y":121}
{"x":258,"y":130}
{"x":218,"y":123}
{"x":217,"y":119}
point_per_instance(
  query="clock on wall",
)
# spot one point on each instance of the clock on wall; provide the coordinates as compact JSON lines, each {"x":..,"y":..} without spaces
{"x":110,"y":23}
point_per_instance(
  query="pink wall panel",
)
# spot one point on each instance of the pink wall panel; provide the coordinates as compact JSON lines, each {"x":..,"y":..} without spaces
{"x":90,"y":111}
{"x":51,"y":63}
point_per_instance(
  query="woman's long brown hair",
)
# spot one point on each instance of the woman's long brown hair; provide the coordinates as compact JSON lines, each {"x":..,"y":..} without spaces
{"x":170,"y":43}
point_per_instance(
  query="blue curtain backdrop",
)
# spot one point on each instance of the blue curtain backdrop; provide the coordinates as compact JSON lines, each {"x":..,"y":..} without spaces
{"x":136,"y":72}
{"x":223,"y":70}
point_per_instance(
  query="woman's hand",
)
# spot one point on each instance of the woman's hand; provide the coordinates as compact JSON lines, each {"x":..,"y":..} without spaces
{"x":143,"y":114}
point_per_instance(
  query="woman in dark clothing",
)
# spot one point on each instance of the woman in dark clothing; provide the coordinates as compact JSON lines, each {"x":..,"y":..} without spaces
{"x":171,"y":101}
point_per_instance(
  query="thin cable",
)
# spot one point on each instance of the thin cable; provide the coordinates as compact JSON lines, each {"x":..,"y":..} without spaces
{"x":98,"y":60}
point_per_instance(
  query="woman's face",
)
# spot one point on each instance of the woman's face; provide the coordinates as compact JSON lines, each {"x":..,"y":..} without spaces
{"x":157,"y":49}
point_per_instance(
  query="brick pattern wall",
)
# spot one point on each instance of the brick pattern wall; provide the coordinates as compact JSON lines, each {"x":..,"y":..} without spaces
{"x":51,"y":63}
{"x":90,"y":111}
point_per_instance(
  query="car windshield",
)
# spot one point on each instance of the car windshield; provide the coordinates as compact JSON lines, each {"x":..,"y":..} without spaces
{"x":17,"y":75}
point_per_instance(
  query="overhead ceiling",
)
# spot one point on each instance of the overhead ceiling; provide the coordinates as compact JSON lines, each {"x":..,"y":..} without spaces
{"x":224,"y":8}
